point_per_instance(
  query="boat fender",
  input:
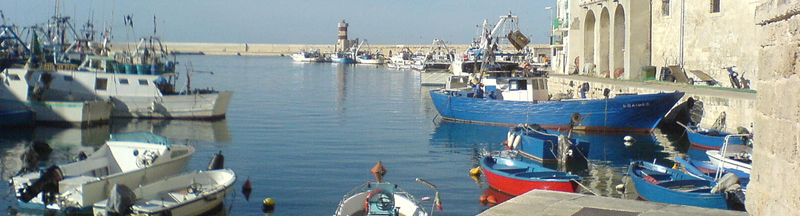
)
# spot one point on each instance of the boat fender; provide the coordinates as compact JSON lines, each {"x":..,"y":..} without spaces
{"x":217,"y":161}
{"x":120,"y":200}
{"x":509,"y":137}
{"x":517,"y":140}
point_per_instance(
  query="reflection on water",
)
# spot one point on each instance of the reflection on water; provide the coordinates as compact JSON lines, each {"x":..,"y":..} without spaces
{"x":605,"y":168}
{"x":68,"y":142}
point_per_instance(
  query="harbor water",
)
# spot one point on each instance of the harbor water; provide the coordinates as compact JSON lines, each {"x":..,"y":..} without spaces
{"x":305,"y":134}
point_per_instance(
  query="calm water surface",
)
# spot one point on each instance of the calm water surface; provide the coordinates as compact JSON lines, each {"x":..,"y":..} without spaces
{"x":306,"y":134}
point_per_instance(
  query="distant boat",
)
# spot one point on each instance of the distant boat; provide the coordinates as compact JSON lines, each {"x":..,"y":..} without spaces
{"x":305,"y":56}
{"x":438,"y":58}
{"x":368,"y":56}
{"x":342,"y":57}
{"x":130,"y":159}
{"x":544,"y":147}
{"x":657,"y":183}
{"x":403,"y":59}
{"x":516,"y":177}
{"x":187,"y":194}
{"x":709,"y":139}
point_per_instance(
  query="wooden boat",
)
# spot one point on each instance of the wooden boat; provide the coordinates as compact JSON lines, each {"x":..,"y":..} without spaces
{"x":129,"y":159}
{"x":657,"y":183}
{"x":381,"y":198}
{"x":187,"y":194}
{"x":545,"y":147}
{"x":710,"y":139}
{"x":516,"y":177}
{"x":707,"y":170}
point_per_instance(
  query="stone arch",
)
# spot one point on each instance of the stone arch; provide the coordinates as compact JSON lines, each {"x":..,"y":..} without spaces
{"x":588,"y":39}
{"x":618,"y":48}
{"x":604,"y":36}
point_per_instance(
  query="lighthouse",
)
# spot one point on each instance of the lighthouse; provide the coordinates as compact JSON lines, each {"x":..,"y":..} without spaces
{"x":343,"y":42}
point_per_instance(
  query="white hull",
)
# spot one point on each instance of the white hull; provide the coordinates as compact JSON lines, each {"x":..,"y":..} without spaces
{"x":194,"y":106}
{"x":16,"y":93}
{"x":370,"y":61}
{"x":355,"y":204}
{"x":726,"y":162}
{"x":76,"y":113}
{"x":133,"y":95}
{"x":86,"y":182}
{"x":171,"y":194}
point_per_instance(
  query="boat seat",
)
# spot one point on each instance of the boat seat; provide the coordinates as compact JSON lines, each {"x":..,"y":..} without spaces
{"x":657,"y":176}
{"x":512,"y":170}
{"x":685,"y":185}
{"x":543,"y":175}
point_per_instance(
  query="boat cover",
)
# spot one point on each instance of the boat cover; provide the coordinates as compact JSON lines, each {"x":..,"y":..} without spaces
{"x":140,"y":137}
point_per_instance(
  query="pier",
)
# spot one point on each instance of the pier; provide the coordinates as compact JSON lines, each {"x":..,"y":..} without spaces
{"x":542,"y":202}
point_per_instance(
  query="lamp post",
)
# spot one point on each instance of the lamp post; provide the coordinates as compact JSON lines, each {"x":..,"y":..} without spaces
{"x":552,"y":36}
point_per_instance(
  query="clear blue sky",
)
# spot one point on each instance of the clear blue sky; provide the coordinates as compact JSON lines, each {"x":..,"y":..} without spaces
{"x":290,"y":21}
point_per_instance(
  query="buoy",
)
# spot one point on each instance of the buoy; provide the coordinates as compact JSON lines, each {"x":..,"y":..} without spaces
{"x":217,"y":161}
{"x":475,"y":171}
{"x":268,"y":206}
{"x":505,"y":143}
{"x":675,"y":166}
{"x":482,"y":199}
{"x":620,"y":187}
{"x":491,"y":200}
{"x":247,"y":188}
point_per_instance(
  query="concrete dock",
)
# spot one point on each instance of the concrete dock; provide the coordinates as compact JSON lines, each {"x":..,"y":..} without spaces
{"x":541,"y":202}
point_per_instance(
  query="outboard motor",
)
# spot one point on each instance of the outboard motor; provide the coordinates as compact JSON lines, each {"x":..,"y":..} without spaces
{"x":217,"y":161}
{"x":120,"y":200}
{"x":47,"y":184}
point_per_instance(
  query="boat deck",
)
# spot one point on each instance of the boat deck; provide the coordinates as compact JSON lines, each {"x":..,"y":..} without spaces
{"x":560,"y":203}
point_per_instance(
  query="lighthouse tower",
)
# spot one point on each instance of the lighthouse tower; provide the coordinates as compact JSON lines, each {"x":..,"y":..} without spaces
{"x":343,"y":42}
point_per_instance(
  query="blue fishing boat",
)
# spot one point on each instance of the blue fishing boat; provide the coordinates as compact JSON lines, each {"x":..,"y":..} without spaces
{"x":544,"y":147}
{"x":343,"y":57}
{"x":620,"y":113}
{"x":707,"y":170}
{"x":657,"y":183}
{"x":710,"y":139}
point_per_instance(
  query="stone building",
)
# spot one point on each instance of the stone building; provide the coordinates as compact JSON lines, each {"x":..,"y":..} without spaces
{"x":773,"y":188}
{"x":606,"y":38}
{"x":706,"y":35}
{"x":620,"y":38}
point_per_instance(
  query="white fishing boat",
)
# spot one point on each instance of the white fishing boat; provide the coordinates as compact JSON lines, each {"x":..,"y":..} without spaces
{"x":382,"y":198}
{"x":140,"y":85}
{"x":402,"y":60}
{"x":304,"y":56}
{"x":365,"y":56}
{"x":438,"y":58}
{"x":492,"y":48}
{"x":21,"y":91}
{"x":188,"y":194}
{"x":738,"y":157}
{"x":129,"y":159}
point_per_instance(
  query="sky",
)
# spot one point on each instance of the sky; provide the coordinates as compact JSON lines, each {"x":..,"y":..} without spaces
{"x":290,"y":21}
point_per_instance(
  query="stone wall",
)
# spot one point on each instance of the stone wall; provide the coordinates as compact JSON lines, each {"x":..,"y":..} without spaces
{"x":774,"y":188}
{"x":693,"y":36}
{"x":288,"y":49}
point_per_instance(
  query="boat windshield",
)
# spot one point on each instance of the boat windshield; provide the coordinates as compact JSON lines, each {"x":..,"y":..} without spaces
{"x":141,"y":137}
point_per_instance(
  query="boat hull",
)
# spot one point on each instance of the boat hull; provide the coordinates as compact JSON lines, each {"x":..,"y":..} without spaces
{"x":518,"y":183}
{"x":720,"y":161}
{"x":710,"y":139}
{"x":191,"y":106}
{"x":621,"y":113}
{"x":354,"y":205}
{"x":661,"y":193}
{"x":191,"y":205}
{"x":17,"y":117}
{"x":544,"y":147}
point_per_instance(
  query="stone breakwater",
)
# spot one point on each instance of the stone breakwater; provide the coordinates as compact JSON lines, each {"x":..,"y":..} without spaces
{"x":286,"y":49}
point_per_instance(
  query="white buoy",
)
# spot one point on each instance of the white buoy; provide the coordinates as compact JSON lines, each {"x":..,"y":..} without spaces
{"x":629,"y":140}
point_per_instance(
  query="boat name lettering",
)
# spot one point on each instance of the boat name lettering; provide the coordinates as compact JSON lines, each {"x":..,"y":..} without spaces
{"x":636,"y":105}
